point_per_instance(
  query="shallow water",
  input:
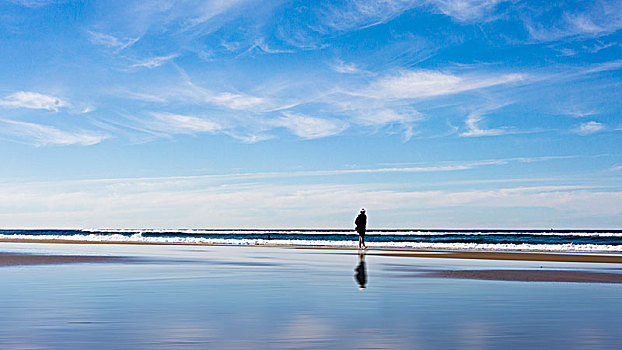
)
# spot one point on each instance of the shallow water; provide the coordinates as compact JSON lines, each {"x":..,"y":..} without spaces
{"x":191,"y":297}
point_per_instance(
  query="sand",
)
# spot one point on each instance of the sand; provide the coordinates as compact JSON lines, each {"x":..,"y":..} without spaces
{"x":9,"y":259}
{"x":418,"y":253}
{"x":237,"y":297}
{"x":516,"y":256}
{"x":535,"y":275}
{"x":530,"y":275}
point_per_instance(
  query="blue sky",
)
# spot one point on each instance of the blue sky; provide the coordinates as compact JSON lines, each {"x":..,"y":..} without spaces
{"x":209,"y":114}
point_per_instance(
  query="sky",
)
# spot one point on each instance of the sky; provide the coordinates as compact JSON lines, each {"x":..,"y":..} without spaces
{"x":295,"y":114}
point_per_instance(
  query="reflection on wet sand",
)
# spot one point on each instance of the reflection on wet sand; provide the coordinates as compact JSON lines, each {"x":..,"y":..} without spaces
{"x":361,"y":273}
{"x":530,"y":275}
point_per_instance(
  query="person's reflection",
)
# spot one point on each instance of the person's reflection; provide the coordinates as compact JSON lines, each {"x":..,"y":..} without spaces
{"x":361,"y":274}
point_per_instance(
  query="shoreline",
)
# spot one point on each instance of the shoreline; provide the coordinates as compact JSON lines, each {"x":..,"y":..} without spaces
{"x":595,"y":257}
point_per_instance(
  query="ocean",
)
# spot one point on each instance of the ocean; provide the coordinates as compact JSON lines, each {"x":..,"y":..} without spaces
{"x":487,"y":240}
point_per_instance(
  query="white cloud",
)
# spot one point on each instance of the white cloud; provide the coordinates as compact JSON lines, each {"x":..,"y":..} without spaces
{"x":36,"y":3}
{"x":356,"y":14}
{"x":346,"y":68}
{"x":139,"y":96}
{"x":577,"y":112}
{"x":191,"y":92}
{"x":310,"y":127}
{"x":589,"y":128}
{"x":207,"y":10}
{"x":604,"y":67}
{"x":33,"y":100}
{"x":590,"y":19}
{"x":425,"y":83}
{"x":566,"y":52}
{"x":259,"y":44}
{"x":379,"y":118}
{"x":232,"y":100}
{"x":235,"y":101}
{"x":87,"y":109}
{"x":171,"y":203}
{"x":582,"y":23}
{"x":42,"y":135}
{"x":446,"y":166}
{"x":154,"y":62}
{"x":111,"y":41}
{"x":250,"y":138}
{"x":181,"y":124}
{"x":474,"y":130}
{"x":466,"y":10}
{"x":387,"y":116}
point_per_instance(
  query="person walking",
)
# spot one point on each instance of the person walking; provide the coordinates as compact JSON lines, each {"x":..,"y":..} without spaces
{"x":361,"y":223}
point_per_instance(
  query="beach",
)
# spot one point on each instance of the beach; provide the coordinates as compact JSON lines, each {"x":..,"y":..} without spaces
{"x":170,"y":296}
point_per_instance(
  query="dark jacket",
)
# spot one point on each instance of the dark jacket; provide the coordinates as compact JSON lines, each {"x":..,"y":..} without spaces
{"x":361,"y":223}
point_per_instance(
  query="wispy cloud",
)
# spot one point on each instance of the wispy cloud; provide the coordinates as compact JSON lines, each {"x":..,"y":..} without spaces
{"x":205,"y":11}
{"x":235,"y":101}
{"x":41,"y":135}
{"x":441,"y":166}
{"x":426,"y":83}
{"x":181,"y":124}
{"x":140,"y":96}
{"x":591,"y":19}
{"x":33,"y":100}
{"x":405,"y":118}
{"x":188,"y":91}
{"x":474,"y":130}
{"x":308,"y":28}
{"x":467,"y":10}
{"x":249,"y":138}
{"x":103,"y":39}
{"x":589,"y":128}
{"x":260,"y":45}
{"x":603,"y":67}
{"x":388,"y":116}
{"x":35,"y":3}
{"x":307,"y":127}
{"x":577,"y":112}
{"x":354,"y":14}
{"x":340,"y":66}
{"x":154,"y":62}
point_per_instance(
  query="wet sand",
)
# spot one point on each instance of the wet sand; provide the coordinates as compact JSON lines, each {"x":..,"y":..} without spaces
{"x":530,"y":275}
{"x":533,"y":275}
{"x":145,"y":296}
{"x":9,"y":259}
{"x":416,"y":253}
{"x":511,"y":256}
